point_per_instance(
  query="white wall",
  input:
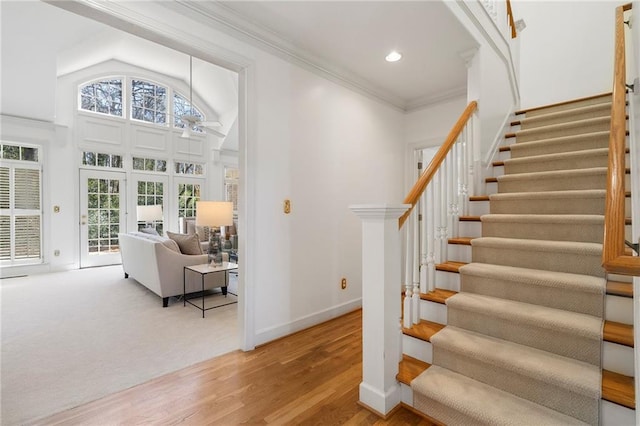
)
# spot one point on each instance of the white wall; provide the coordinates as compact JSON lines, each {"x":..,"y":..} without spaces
{"x":308,"y":140}
{"x":566,"y":50}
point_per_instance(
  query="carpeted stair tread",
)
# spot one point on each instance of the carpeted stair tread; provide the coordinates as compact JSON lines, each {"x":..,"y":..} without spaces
{"x":565,"y":333}
{"x":409,"y":368}
{"x":561,"y":256}
{"x":574,"y":114}
{"x":571,"y":128}
{"x":619,"y":333}
{"x":621,"y":289}
{"x":455,"y":399}
{"x":423,"y":330}
{"x":557,"y":180}
{"x":582,"y":201}
{"x":587,"y":158}
{"x":593,"y":140}
{"x":557,"y":382}
{"x":559,"y":227}
{"x":573,"y":292}
{"x":579,"y":377}
{"x":570,"y":104}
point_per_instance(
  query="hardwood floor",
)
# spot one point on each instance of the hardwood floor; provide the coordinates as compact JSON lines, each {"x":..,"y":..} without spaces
{"x":311,"y":377}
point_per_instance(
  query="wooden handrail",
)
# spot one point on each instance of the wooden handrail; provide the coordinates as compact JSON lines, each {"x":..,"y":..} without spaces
{"x":512,"y":23}
{"x":424,"y":179}
{"x":614,"y":259}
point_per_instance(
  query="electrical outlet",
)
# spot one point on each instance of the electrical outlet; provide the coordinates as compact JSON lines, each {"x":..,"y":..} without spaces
{"x":343,"y":283}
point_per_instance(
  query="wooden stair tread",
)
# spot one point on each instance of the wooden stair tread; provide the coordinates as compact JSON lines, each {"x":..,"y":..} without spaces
{"x":469,"y":218}
{"x":450,"y":266}
{"x":491,"y":179}
{"x":619,"y":389}
{"x":504,"y":148}
{"x":497,"y":163}
{"x":618,"y":288}
{"x":464,"y":241}
{"x":479,"y":198}
{"x":439,"y":295}
{"x":409,"y":368}
{"x":510,"y":135}
{"x":423,"y":330}
{"x":617,"y":332}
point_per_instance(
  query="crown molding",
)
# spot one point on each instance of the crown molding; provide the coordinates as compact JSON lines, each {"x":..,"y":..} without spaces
{"x":230,"y":22}
{"x":428,"y":100}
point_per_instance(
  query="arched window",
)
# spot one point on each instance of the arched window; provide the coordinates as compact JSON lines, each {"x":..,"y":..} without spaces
{"x":182,"y":106}
{"x":104,"y":96}
{"x":148,"y":102}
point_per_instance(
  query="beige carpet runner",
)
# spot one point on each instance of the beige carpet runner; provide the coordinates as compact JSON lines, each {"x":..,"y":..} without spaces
{"x":523,"y":340}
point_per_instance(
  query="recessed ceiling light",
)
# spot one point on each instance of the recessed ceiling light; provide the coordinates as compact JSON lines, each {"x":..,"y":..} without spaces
{"x":393,"y":56}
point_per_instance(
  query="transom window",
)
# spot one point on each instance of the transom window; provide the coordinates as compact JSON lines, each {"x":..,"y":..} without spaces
{"x":149,"y":164}
{"x":148,"y":102}
{"x":17,"y":152}
{"x":188,"y":168}
{"x":103,"y":96}
{"x":100,"y":159}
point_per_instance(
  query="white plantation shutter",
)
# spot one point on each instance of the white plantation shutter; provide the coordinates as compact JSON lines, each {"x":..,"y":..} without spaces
{"x":20,"y":213}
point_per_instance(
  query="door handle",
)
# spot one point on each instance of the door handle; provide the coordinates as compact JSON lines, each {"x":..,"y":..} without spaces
{"x":83,"y":219}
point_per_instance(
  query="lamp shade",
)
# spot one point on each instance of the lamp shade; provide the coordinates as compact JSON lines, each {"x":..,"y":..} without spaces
{"x":214,"y":213}
{"x":149,"y":213}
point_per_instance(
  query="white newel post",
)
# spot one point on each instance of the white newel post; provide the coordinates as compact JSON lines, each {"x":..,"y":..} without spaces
{"x":381,"y":288}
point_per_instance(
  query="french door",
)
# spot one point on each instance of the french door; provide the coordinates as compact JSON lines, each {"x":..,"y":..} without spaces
{"x":102,"y":216}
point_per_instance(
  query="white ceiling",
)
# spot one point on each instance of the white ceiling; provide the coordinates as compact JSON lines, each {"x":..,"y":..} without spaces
{"x":351,"y":39}
{"x":347,"y":39}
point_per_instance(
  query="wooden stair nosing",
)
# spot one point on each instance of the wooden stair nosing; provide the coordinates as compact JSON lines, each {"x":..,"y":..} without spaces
{"x":479,"y":198}
{"x":410,"y":368}
{"x":504,"y":148}
{"x":450,"y":266}
{"x":423,"y":330}
{"x":498,"y":163}
{"x":619,"y":389}
{"x":622,"y":289}
{"x":439,"y":295}
{"x":616,"y":332}
{"x":469,"y":218}
{"x":463,"y":241}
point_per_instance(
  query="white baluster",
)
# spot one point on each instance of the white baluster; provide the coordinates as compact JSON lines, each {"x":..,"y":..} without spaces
{"x":408,"y":274}
{"x":424,"y":238}
{"x":443,"y":212}
{"x":455,"y":209}
{"x":435,"y":209}
{"x":464,"y":177}
{"x":415,"y":297}
{"x":431,"y":235}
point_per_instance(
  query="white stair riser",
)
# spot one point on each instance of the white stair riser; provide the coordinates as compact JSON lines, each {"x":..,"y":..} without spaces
{"x":448,"y":280}
{"x":616,"y":415}
{"x":406,"y":394}
{"x":491,"y":187}
{"x":618,"y":358}
{"x":470,"y":229}
{"x":498,"y":171}
{"x":459,"y":253}
{"x":619,"y":309}
{"x":478,"y":208}
{"x":432,"y":311}
{"x":503,"y":155}
{"x":417,"y":348}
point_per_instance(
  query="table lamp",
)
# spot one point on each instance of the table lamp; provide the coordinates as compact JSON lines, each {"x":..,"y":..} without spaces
{"x":214,"y":214}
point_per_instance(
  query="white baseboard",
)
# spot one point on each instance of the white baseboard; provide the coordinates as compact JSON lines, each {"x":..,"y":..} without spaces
{"x":271,"y":333}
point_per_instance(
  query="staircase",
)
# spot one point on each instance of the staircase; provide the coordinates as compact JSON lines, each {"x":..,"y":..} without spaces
{"x":524,"y":326}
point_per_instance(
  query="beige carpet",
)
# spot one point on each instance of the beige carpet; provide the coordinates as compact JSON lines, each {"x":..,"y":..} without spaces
{"x":523,"y":340}
{"x":73,"y":337}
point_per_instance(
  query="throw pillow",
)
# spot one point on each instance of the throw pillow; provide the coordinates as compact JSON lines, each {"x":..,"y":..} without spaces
{"x":150,"y":231}
{"x":188,"y":243}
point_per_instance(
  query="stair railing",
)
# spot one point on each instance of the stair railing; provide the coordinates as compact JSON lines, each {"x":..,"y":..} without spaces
{"x":614,"y":258}
{"x":438,"y":199}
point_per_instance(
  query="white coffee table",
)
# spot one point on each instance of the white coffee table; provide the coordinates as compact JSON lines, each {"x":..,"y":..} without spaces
{"x":206,"y":269}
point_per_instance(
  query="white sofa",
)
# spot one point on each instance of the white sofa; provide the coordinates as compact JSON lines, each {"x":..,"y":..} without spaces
{"x":154,"y":262}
